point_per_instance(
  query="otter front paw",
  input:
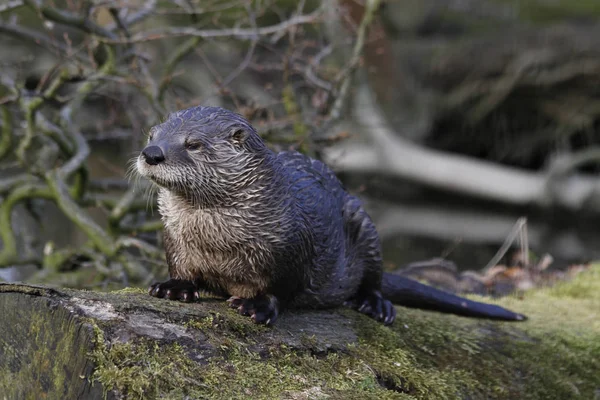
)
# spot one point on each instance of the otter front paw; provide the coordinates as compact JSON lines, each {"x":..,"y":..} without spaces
{"x":262,"y":309}
{"x":375,"y":306}
{"x":175,"y":289}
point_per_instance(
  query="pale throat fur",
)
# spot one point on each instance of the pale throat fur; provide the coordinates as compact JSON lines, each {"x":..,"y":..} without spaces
{"x":207,"y":243}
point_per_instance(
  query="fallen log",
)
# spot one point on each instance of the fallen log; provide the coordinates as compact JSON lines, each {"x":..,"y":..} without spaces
{"x":73,"y":344}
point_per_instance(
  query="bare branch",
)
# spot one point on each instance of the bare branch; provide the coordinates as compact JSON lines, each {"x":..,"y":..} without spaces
{"x":146,"y":11}
{"x":32,"y":36}
{"x":310,"y":73}
{"x":6,"y":138}
{"x":65,"y":18}
{"x":515,"y":232}
{"x":396,"y":156}
{"x":24,"y":191}
{"x":335,"y":111}
{"x":180,"y":51}
{"x":248,"y":58}
{"x":86,"y":93}
{"x":11,"y":5}
{"x":64,"y":200}
{"x":239,"y":33}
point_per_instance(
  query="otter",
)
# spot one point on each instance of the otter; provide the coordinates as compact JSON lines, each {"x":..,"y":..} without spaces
{"x":270,"y":230}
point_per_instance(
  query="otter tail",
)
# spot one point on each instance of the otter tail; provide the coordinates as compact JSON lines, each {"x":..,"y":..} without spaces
{"x":406,"y":292}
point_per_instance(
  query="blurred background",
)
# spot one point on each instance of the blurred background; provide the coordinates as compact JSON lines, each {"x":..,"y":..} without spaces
{"x":463,"y":124}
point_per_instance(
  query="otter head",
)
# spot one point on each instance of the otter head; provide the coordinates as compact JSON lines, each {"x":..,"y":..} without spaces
{"x":206,"y":154}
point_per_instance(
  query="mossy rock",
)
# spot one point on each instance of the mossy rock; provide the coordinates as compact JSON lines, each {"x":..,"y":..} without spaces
{"x":126,"y":344}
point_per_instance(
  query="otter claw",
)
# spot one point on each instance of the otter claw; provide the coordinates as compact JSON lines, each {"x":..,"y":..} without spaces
{"x":375,"y":306}
{"x":235,"y":302}
{"x":175,"y":289}
{"x":365,"y":308}
{"x":390,"y":312}
{"x":261,"y":309}
{"x":186,"y":297}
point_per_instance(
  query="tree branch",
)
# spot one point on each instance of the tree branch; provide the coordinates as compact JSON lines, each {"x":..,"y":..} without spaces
{"x":393,"y":155}
{"x":11,"y":5}
{"x":6,"y":132}
{"x":82,"y":23}
{"x":335,"y":111}
{"x":240,"y":33}
{"x":9,"y":255}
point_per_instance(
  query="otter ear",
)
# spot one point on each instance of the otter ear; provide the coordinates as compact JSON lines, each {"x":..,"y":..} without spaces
{"x":238,"y":136}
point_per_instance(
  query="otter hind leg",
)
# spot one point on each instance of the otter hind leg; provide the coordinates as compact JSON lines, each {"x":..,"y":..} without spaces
{"x":262,"y":309}
{"x":363,"y":243}
{"x":374,"y":305}
{"x":175,"y":289}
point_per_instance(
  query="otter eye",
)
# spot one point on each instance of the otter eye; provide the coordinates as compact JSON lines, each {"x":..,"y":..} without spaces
{"x":192,"y":145}
{"x":151,"y":134}
{"x":238,"y":135}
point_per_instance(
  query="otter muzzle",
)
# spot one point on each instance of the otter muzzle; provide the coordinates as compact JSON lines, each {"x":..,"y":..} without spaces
{"x":153,"y":155}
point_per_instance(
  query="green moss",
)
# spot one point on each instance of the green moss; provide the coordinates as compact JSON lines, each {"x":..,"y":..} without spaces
{"x":227,"y":325}
{"x":136,"y":370}
{"x":132,"y":290}
{"x":376,"y":368}
{"x":425,"y":355}
{"x":144,"y":370}
{"x":43,"y":354}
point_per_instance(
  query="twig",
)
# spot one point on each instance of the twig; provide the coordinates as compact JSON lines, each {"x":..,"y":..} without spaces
{"x":144,"y":247}
{"x":114,"y":12}
{"x":310,"y":73}
{"x":56,"y":179}
{"x":6,"y":138}
{"x":565,"y":164}
{"x":105,"y":184}
{"x":65,"y":18}
{"x":36,"y":37}
{"x":81,"y":145}
{"x":248,"y":57}
{"x":242,"y":66}
{"x":11,"y":5}
{"x":515,"y":231}
{"x":145,"y":12}
{"x":82,"y":151}
{"x":65,"y":202}
{"x":240,"y":33}
{"x":152,"y":91}
{"x":177,"y":55}
{"x":55,"y":133}
{"x":524,"y":246}
{"x":9,"y":254}
{"x":8,"y":184}
{"x":122,"y":207}
{"x":30,"y":106}
{"x":218,"y":77}
{"x":335,"y":111}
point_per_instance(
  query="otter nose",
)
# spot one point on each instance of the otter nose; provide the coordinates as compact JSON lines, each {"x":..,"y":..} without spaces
{"x":153,"y":155}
